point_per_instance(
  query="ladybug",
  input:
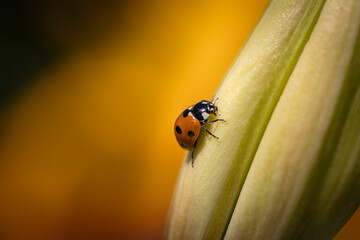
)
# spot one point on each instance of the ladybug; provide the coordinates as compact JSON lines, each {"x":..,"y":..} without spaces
{"x":188,"y":124}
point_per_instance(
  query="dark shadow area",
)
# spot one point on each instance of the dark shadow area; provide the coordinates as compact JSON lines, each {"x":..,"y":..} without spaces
{"x":22,"y":52}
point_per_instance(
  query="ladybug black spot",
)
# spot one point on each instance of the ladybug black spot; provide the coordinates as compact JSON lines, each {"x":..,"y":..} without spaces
{"x":178,"y":130}
{"x":191,"y":133}
{"x":186,"y":112}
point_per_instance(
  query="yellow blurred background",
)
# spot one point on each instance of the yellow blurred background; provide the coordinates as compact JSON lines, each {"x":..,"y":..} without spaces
{"x":89,"y":94}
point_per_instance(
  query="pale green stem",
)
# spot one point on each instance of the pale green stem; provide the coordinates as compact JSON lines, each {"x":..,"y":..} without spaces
{"x":297,"y":158}
{"x":246,"y":100}
{"x":308,"y":160}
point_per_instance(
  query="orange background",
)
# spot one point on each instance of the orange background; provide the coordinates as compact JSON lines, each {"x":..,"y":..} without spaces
{"x":89,"y":95}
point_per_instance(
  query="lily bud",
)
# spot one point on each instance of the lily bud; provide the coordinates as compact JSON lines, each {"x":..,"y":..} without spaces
{"x":287,"y":161}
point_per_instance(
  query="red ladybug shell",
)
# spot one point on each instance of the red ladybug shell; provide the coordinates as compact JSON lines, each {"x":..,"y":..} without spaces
{"x":187,"y":129}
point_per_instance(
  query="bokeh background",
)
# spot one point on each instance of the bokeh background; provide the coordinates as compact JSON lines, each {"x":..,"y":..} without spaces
{"x":89,"y":93}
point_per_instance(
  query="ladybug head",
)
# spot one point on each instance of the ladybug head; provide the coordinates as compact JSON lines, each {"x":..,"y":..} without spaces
{"x":211,"y":108}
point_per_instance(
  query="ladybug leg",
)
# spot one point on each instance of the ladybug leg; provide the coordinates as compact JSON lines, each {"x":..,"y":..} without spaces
{"x":192,"y":155}
{"x":192,"y":158}
{"x":219,"y":119}
{"x":202,"y":124}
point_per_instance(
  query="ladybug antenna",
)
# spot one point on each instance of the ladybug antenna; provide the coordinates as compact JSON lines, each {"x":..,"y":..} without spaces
{"x":218,"y":114}
{"x":215,"y":100}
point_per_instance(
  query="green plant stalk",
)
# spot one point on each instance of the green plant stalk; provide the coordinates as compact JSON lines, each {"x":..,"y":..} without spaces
{"x":246,"y":99}
{"x":307,"y":165}
{"x":279,"y":189}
